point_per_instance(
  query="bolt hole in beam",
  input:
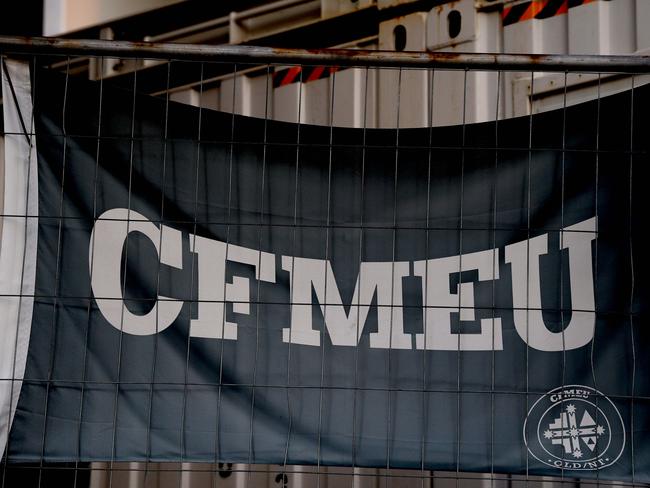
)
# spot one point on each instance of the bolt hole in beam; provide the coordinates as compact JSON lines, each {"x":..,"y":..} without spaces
{"x":454,"y":23}
{"x":399,"y":36}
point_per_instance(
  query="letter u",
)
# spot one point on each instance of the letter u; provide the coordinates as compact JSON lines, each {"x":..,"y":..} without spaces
{"x":529,"y":322}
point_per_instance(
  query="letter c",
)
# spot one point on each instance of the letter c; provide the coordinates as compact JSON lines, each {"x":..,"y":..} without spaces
{"x":105,"y":259}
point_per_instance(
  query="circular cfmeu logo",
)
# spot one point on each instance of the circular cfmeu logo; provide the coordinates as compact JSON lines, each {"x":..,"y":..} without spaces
{"x":575,"y":427}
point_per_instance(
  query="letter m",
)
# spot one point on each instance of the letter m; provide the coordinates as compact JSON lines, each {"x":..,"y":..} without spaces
{"x":381,"y":278}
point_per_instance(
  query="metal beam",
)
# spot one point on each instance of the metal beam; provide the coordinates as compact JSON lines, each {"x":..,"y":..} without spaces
{"x":324,"y":57}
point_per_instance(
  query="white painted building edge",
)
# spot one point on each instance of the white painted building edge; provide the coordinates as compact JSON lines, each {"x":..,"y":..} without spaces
{"x":65,"y":16}
{"x":19,"y":237}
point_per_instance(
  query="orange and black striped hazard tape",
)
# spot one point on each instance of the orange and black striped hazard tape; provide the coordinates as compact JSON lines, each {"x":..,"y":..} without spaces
{"x":301,"y":73}
{"x":539,"y":9}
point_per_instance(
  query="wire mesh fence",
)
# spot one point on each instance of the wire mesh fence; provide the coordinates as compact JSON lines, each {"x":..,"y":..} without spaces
{"x":455,"y":240}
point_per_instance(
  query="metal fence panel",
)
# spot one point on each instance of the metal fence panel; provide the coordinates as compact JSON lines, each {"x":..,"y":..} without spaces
{"x":355,"y":89}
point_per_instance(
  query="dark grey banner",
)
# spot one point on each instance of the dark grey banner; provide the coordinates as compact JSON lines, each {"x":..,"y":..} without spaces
{"x":212,"y":287}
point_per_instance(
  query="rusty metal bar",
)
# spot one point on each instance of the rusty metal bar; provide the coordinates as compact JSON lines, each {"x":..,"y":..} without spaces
{"x":324,"y":57}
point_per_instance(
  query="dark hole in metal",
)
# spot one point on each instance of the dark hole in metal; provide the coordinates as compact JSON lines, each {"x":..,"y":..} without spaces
{"x":454,"y":23}
{"x":224,"y":469}
{"x":282,"y":478}
{"x":399,"y":35}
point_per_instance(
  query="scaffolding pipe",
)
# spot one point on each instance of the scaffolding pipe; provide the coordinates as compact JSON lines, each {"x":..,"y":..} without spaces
{"x":324,"y":57}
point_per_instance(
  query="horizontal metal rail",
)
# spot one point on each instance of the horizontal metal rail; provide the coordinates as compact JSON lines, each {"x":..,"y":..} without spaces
{"x":225,"y":20}
{"x":324,"y":57}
